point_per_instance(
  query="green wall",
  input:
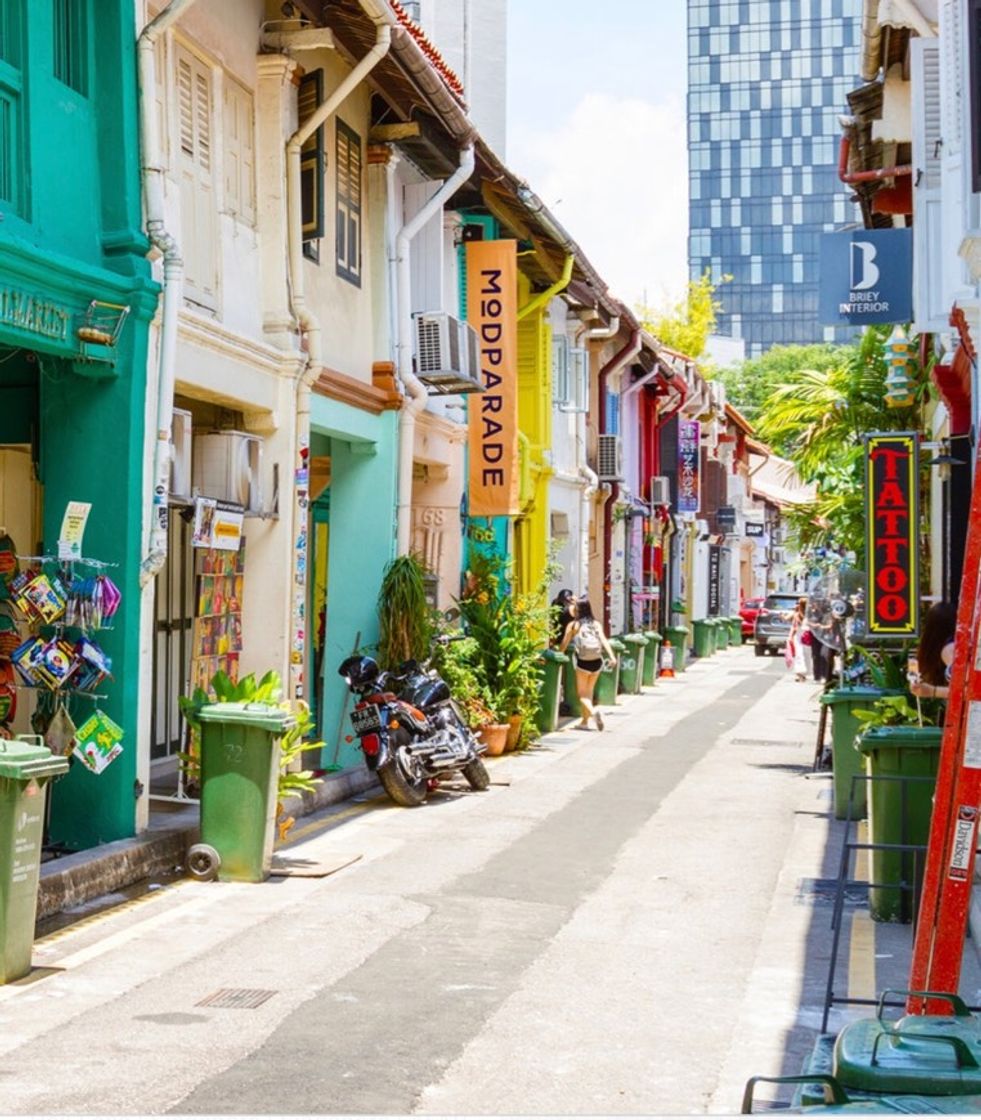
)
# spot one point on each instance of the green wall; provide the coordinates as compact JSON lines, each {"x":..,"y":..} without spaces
{"x":363,"y":451}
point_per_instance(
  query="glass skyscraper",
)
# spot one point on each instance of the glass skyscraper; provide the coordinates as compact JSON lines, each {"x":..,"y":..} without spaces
{"x":767,"y":81}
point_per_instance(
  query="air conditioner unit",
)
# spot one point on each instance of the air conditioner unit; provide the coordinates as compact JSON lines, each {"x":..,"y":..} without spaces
{"x":660,"y":491}
{"x":228,"y":466}
{"x":447,"y":357}
{"x":608,"y":456}
{"x":180,"y":454}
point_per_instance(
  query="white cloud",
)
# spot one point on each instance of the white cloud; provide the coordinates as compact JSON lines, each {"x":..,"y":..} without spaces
{"x":615,"y":174}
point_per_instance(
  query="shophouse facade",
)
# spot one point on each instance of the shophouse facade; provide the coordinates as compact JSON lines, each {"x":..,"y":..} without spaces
{"x":76,"y":299}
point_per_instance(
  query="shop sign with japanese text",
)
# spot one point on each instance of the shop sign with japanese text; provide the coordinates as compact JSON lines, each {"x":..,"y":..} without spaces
{"x":492,"y":310}
{"x":689,"y":438}
{"x":892,"y":516}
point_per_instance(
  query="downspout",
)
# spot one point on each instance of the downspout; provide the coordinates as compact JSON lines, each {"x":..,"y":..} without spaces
{"x":417,"y":394}
{"x":622,"y":358}
{"x":173,"y":279}
{"x":309,"y":328}
{"x":587,"y":474}
{"x":543,"y":297}
{"x":847,"y":176}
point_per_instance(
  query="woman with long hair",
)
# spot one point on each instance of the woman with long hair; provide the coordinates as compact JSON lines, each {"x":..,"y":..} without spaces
{"x":935,"y":653}
{"x":799,"y":640}
{"x":590,"y":645}
{"x":563,"y":612}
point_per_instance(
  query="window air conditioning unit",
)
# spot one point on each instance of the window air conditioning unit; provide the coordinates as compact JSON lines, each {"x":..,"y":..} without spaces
{"x":180,"y":454}
{"x":228,"y":466}
{"x":608,"y":458}
{"x":447,"y":353}
{"x":660,"y":491}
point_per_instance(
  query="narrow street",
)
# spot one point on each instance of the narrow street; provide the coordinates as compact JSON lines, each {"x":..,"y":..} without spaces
{"x":616,"y":926}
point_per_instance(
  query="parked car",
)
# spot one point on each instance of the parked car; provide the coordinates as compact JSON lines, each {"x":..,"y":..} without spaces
{"x":772,"y":626}
{"x":748,"y":612}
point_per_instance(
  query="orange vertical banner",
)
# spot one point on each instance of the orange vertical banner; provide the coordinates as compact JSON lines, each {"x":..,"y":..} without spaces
{"x":492,"y":311}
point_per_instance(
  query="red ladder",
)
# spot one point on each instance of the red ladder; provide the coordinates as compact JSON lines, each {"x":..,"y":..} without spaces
{"x":949,"y":872}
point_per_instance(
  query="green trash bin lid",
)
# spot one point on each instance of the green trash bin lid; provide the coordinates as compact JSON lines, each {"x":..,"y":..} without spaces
{"x":936,"y":1055}
{"x":634,"y":639}
{"x":900,"y":735}
{"x":856,"y":692}
{"x":23,"y":759}
{"x":553,"y":655}
{"x":652,"y":636}
{"x":268,"y":717}
{"x":617,"y":644}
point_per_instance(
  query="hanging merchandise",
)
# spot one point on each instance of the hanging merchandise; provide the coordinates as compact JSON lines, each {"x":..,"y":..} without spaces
{"x":61,"y":736}
{"x":40,"y":599}
{"x":8,"y":694}
{"x":9,"y":566}
{"x":98,"y":742}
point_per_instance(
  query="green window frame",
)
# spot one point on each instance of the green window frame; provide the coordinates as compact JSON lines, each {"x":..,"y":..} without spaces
{"x":347,"y":234}
{"x":312,"y":162}
{"x":11,"y":105}
{"x":70,"y":44}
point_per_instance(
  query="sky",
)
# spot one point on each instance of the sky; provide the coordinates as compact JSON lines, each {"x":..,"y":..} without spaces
{"x":596,"y":124}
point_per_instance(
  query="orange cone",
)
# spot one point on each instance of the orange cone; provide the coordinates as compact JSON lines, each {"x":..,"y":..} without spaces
{"x":667,"y":660}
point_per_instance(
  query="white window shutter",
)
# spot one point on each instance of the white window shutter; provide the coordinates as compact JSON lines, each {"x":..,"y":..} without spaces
{"x":238,"y":135}
{"x":426,"y":258}
{"x":952,"y":88}
{"x":195,"y":171}
{"x":560,"y":370}
{"x":928,"y":295}
{"x":579,"y":379}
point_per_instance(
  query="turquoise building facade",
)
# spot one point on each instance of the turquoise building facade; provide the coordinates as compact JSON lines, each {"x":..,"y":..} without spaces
{"x":72,"y":255}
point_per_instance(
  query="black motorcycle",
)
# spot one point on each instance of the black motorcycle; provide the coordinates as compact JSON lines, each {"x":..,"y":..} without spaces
{"x":412,"y":732}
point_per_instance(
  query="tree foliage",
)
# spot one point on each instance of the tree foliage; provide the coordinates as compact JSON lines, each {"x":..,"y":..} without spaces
{"x":686,"y":326}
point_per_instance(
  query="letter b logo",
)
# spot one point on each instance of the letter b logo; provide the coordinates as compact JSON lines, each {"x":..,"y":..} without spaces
{"x":864,"y":272}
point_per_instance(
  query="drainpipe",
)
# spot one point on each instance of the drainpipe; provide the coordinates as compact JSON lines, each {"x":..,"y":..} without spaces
{"x":543,"y":297}
{"x":597,"y":333}
{"x":847,"y":176}
{"x":622,"y":358}
{"x":417,"y":394}
{"x":309,"y":327}
{"x":173,"y":276}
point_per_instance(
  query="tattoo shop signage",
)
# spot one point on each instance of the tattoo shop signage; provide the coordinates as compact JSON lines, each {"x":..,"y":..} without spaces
{"x":892,"y":516}
{"x":492,"y":310}
{"x":689,"y":433}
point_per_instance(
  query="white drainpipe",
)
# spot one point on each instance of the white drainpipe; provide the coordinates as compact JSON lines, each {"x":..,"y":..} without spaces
{"x":173,"y":278}
{"x":413,"y":386}
{"x":309,"y":327}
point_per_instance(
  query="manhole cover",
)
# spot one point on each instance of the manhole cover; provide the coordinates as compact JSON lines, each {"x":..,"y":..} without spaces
{"x":244,"y":998}
{"x":822,"y":892}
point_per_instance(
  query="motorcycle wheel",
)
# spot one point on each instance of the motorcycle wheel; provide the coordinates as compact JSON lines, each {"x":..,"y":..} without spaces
{"x":401,"y":785}
{"x":476,"y":774}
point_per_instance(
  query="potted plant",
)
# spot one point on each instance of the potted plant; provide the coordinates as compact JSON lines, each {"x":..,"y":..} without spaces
{"x":404,"y":615}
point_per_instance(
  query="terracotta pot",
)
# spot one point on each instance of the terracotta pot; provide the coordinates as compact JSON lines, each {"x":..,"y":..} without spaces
{"x":494,"y":736}
{"x":514,"y":732}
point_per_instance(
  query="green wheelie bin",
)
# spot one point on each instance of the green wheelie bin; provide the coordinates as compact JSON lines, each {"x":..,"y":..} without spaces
{"x":547,"y":717}
{"x":239,"y":778}
{"x":652,"y":656}
{"x":609,"y":679}
{"x":632,"y":663}
{"x":702,"y":641}
{"x":26,"y":768}
{"x":735,"y":630}
{"x":902,"y":762}
{"x":678,"y":637}
{"x":569,"y":693}
{"x":847,"y":762}
{"x":721,"y":633}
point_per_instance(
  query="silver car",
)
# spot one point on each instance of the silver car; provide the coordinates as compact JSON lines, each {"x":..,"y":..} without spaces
{"x":772,"y":626}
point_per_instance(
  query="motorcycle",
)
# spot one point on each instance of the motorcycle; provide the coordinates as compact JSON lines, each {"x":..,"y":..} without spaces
{"x":412,"y":731}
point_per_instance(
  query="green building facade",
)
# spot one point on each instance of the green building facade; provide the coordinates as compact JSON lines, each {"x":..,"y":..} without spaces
{"x":73,"y":270}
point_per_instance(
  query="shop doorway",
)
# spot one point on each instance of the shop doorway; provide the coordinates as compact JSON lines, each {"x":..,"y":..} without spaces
{"x":173,"y":626}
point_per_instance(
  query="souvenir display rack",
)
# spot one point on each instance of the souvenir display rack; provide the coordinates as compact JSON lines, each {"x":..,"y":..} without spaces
{"x":51,"y":610}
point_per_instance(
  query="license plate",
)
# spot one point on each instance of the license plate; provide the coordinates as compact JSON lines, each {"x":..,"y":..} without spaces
{"x":366,"y":719}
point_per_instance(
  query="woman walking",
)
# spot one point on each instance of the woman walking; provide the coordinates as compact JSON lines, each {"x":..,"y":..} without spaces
{"x":590,"y":646}
{"x":800,"y":639}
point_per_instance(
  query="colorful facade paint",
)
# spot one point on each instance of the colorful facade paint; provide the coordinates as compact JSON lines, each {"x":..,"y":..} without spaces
{"x":59,"y":251}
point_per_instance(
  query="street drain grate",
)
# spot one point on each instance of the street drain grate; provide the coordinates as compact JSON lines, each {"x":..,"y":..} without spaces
{"x":822,"y":892}
{"x":243,"y":998}
{"x":767,"y":742}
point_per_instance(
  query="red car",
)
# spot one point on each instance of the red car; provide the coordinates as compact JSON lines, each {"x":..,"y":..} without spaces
{"x":748,"y":612}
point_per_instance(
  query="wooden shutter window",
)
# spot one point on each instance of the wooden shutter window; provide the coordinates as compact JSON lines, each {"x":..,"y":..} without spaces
{"x":239,"y":138}
{"x":196,"y":177}
{"x":348,"y":213}
{"x":311,"y":95}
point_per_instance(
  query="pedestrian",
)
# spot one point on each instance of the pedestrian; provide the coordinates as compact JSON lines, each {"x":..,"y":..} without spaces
{"x":935,"y":653}
{"x":563,"y":612}
{"x":590,"y":646}
{"x":822,"y":629}
{"x":800,"y":640}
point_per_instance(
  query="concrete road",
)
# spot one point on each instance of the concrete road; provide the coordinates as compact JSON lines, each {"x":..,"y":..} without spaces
{"x":621,"y":924}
